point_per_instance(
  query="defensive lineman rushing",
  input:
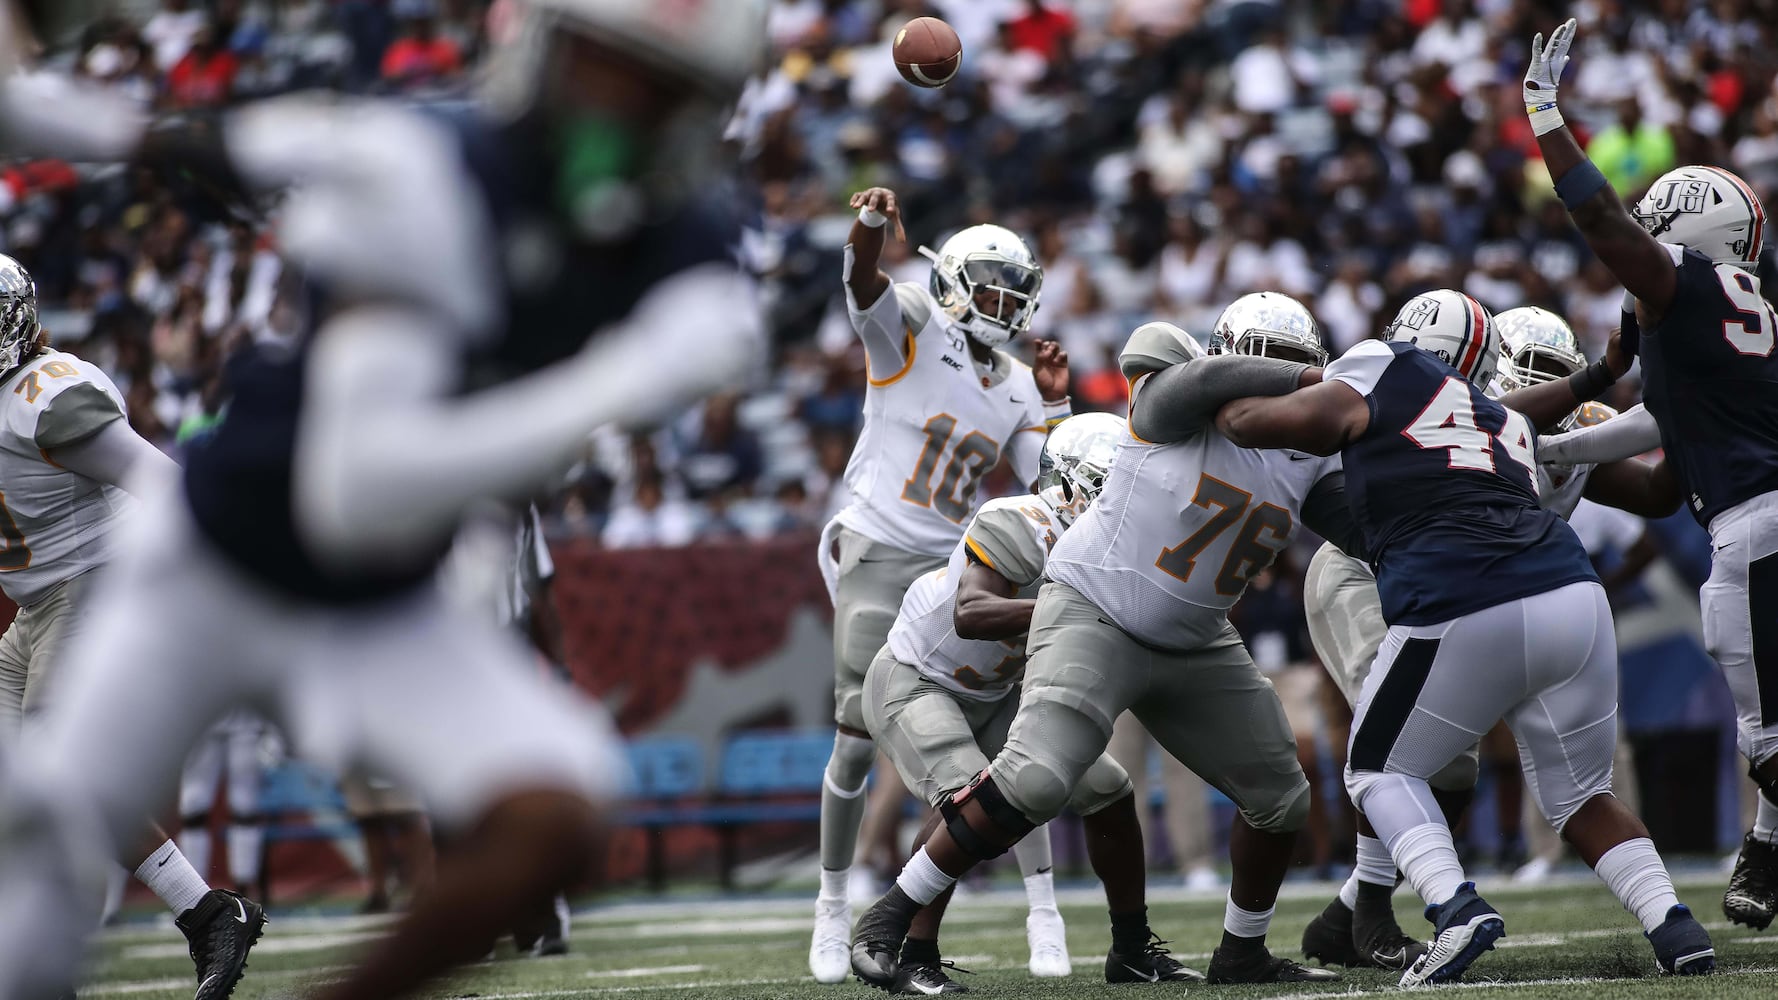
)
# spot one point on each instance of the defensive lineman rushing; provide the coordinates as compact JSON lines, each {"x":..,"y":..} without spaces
{"x":1135,"y":618}
{"x":294,"y":567}
{"x":1346,"y":626}
{"x":943,"y":405}
{"x":1686,"y":256}
{"x":1443,"y":480}
{"x":67,"y":458}
{"x":941,"y":694}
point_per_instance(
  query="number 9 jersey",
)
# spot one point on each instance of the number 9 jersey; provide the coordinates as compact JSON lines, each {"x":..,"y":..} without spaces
{"x":1443,"y":483}
{"x":934,"y":428}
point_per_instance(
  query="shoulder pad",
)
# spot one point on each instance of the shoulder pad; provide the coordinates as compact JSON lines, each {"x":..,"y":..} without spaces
{"x":1155,"y":346}
{"x":1013,"y":536}
{"x":916,"y":305}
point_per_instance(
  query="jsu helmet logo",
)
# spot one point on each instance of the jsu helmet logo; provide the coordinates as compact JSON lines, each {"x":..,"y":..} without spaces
{"x":1423,"y":314}
{"x":1680,"y":197}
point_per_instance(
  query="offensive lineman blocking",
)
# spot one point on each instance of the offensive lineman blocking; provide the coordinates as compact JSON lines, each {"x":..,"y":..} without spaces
{"x":942,"y":407}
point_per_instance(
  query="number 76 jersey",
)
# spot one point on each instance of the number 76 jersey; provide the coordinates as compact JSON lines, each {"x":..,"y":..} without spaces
{"x":1443,"y":484}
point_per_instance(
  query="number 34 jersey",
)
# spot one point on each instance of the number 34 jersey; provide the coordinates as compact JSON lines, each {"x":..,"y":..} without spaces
{"x":54,"y":524}
{"x":933,"y":429}
{"x":1011,"y":536}
{"x":1443,"y":484}
{"x":1179,"y":530}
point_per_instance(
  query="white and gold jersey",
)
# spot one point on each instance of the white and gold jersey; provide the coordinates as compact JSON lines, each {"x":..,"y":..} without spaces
{"x":1170,"y":544}
{"x":933,"y":428}
{"x":1011,"y":536}
{"x":54,"y":524}
{"x":1560,"y":487}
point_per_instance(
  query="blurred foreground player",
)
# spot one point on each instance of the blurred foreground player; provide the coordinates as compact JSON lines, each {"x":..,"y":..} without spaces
{"x":1686,"y":255}
{"x":68,"y":459}
{"x":491,"y":284}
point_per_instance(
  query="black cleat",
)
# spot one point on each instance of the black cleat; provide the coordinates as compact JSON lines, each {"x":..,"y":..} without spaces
{"x":1682,"y":946}
{"x":1150,"y":965}
{"x":1752,"y":896}
{"x":1380,"y":941}
{"x":221,"y":929}
{"x":927,"y":979}
{"x":1258,"y":965}
{"x":1328,"y":938}
{"x":878,"y":936}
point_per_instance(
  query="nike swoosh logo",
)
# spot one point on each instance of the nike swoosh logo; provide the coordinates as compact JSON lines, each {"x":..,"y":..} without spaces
{"x":1151,"y":977}
{"x":162,"y":863}
{"x":1302,"y":458}
{"x":207,"y":981}
{"x":1390,"y":959}
{"x":930,"y":991}
{"x":243,"y":917}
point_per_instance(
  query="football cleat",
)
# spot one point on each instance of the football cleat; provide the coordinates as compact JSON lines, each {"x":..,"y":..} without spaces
{"x":1681,"y":944}
{"x":1328,"y":938}
{"x":1150,"y":965}
{"x":927,"y":979}
{"x":877,"y":941}
{"x":1752,"y":896}
{"x":830,"y":948}
{"x":221,"y":930}
{"x":1380,"y":941}
{"x":1465,"y":926}
{"x":1258,"y":965}
{"x":1046,"y":934}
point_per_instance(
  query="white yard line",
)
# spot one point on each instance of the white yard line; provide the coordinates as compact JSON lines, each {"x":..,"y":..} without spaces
{"x":1514,"y":984}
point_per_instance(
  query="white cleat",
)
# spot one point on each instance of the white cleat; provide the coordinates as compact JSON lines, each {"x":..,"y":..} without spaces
{"x":830,"y":951}
{"x":1049,"y":944}
{"x":1203,"y":878}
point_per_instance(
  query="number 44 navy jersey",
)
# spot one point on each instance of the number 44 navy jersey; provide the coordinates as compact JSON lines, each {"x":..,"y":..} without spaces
{"x":1443,"y":483}
{"x":1711,"y":380}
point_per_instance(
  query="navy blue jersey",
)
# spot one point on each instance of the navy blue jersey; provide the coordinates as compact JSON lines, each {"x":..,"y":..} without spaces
{"x":557,"y":291}
{"x":1442,"y":483}
{"x":1710,"y":378}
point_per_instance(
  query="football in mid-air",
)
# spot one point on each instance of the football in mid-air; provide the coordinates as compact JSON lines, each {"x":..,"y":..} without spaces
{"x":928,"y":52}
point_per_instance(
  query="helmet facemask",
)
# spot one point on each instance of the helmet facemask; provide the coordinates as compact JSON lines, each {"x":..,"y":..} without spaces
{"x":1077,"y":458}
{"x":19,"y":324}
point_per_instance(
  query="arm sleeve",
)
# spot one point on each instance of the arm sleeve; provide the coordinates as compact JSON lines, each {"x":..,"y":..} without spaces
{"x":1004,"y":540}
{"x":1327,"y":513}
{"x":388,"y":455}
{"x":1627,"y":435}
{"x":115,"y":455}
{"x":887,"y":327}
{"x":75,"y":414}
{"x":1182,"y":400}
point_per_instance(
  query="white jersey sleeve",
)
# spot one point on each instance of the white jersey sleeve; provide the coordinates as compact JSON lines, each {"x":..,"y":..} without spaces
{"x":888,"y":326}
{"x":54,"y":524}
{"x":1361,"y":366}
{"x":1012,"y":536}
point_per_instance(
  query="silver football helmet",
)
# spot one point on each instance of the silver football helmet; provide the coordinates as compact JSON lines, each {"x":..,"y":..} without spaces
{"x":987,"y":280}
{"x":1540,"y":346}
{"x":19,"y":325}
{"x":1077,"y":458}
{"x":1706,"y":209}
{"x":1269,"y":325}
{"x":1454,"y":327}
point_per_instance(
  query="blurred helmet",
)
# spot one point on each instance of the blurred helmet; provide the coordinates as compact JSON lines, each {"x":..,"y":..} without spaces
{"x":1156,"y":346}
{"x":993,"y":260}
{"x":1540,"y":346}
{"x":1077,"y":458}
{"x":1269,"y":325}
{"x":615,"y":172}
{"x":18,"y":313}
{"x":1454,"y":327}
{"x":1706,"y":209}
{"x":1504,"y":379}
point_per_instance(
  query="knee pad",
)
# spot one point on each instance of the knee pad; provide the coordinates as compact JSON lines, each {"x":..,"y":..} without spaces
{"x":1003,"y":814}
{"x":1286,"y":814}
{"x":1104,"y":783}
{"x":850,"y":764}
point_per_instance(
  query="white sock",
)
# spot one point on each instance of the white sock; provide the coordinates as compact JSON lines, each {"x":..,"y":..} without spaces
{"x":1040,"y":891}
{"x":1374,"y":863}
{"x":1246,"y":923}
{"x":1349,"y":890}
{"x":1426,"y":855}
{"x":244,"y":843}
{"x":172,"y":878}
{"x":833,"y":884}
{"x":1765,"y":821}
{"x":1634,"y":874}
{"x":921,"y":879}
{"x":195,"y":842}
{"x":1033,"y":852}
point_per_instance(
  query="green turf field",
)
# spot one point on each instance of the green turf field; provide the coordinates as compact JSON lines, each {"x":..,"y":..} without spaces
{"x":1567,"y":938}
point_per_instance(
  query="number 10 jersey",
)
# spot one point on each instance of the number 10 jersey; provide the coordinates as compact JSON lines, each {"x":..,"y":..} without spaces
{"x":933,"y":429}
{"x":1179,"y":530}
{"x":1442,"y":482}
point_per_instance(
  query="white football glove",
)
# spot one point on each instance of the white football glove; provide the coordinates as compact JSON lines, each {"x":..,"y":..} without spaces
{"x":1542,"y":76}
